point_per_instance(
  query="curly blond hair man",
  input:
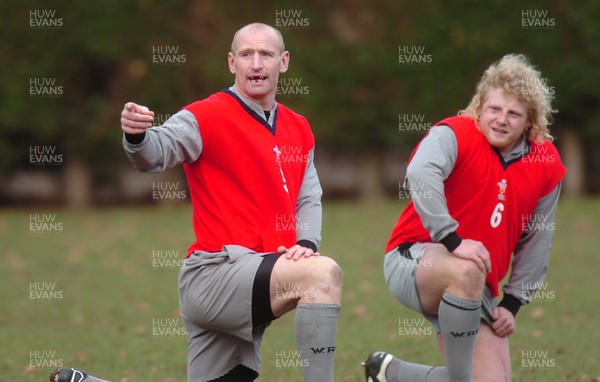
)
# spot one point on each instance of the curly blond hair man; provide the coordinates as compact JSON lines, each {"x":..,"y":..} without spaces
{"x":491,"y":180}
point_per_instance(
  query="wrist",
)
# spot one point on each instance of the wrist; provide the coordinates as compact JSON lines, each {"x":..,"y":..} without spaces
{"x":510,"y":303}
{"x":451,"y":241}
{"x":135,"y":139}
{"x":307,"y":244}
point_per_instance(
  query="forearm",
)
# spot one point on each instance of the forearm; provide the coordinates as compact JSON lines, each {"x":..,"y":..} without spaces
{"x":176,"y":141}
{"x":531,"y":256}
{"x":309,"y":208}
{"x":431,"y":164}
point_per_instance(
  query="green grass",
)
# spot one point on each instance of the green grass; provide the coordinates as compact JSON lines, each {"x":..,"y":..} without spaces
{"x":108,"y":295}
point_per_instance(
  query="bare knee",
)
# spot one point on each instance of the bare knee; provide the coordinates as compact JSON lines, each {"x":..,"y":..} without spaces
{"x":324,"y":281}
{"x":328,"y":272}
{"x":332,"y":271}
{"x":467,"y":280}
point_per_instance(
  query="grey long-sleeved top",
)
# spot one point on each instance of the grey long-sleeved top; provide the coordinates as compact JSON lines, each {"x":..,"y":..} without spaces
{"x":431,"y":164}
{"x":179,"y":141}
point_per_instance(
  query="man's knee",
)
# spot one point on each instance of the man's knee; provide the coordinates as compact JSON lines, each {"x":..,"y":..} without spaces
{"x":323,"y":280}
{"x":467,"y":279}
{"x":329,"y":270}
{"x":326,"y":271}
{"x":316,"y":279}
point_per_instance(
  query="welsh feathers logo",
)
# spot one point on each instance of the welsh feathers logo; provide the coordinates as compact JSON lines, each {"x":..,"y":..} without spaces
{"x":502,"y":190}
{"x":278,"y":160}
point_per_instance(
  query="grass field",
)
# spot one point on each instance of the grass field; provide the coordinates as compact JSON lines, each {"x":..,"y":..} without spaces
{"x":98,"y":289}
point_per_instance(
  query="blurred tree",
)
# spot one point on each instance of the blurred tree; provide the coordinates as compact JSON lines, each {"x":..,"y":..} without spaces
{"x":71,"y":68}
{"x":348,"y":55}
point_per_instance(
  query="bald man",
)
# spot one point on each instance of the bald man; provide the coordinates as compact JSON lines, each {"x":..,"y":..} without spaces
{"x":256,"y":201}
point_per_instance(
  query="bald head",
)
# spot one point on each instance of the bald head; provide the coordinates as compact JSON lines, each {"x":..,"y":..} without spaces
{"x":256,"y":27}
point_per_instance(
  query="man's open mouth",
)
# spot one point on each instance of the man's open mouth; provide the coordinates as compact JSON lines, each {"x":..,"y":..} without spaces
{"x":257,"y":79}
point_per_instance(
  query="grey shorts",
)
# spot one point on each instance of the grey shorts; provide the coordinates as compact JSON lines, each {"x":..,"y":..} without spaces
{"x":215,"y":299}
{"x":399,"y":269}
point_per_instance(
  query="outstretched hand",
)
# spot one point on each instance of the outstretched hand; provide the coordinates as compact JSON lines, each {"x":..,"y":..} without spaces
{"x":136,"y":119}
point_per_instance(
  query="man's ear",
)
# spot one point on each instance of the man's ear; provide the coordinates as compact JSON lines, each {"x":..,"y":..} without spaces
{"x":285,"y":62}
{"x":231,"y":62}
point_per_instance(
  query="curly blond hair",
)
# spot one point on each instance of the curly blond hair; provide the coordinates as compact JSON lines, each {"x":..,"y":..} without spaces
{"x":517,"y":76}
